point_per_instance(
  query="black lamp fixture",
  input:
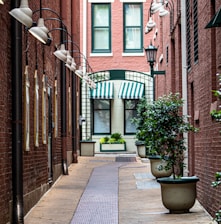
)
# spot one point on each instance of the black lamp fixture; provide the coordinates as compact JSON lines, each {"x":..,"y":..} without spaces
{"x":151,"y":53}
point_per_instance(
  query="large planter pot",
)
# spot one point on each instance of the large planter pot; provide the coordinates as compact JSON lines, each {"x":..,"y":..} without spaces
{"x":178,"y":195}
{"x":87,"y":148}
{"x":141,"y":149}
{"x":112,"y":147}
{"x":157,"y":167}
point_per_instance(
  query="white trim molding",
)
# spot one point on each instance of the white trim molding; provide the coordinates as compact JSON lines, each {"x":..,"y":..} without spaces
{"x":100,"y":1}
{"x":134,"y":1}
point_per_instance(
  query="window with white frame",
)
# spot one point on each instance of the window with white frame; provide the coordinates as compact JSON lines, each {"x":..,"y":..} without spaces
{"x":102,"y":116}
{"x":101,"y":28}
{"x":133,"y":27}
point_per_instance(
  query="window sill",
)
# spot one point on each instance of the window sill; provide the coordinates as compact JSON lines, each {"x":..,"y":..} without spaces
{"x":101,"y":54}
{"x":132,"y":54}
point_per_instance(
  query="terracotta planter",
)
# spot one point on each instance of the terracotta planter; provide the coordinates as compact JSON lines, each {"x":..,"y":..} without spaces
{"x":157,"y":167}
{"x":178,"y":195}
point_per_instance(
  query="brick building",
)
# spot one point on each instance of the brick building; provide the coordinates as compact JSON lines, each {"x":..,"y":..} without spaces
{"x":191,"y":57}
{"x":37,"y":138}
{"x":112,"y":35}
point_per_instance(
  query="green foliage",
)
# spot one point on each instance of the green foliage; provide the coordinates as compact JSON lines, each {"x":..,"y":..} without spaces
{"x":216,"y":115}
{"x":216,"y":183}
{"x":104,"y":140}
{"x":161,"y":125}
{"x":114,"y":138}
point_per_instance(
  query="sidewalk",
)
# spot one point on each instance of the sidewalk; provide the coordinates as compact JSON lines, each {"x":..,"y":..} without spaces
{"x":99,"y":190}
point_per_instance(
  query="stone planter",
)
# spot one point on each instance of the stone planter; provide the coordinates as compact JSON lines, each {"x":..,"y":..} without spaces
{"x":113,"y":147}
{"x":178,"y":195}
{"x":141,"y":149}
{"x":157,"y":167}
{"x":87,"y":148}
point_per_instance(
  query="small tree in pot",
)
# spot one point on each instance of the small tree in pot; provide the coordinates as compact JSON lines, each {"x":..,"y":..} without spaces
{"x":162,"y":130}
{"x":171,"y":124}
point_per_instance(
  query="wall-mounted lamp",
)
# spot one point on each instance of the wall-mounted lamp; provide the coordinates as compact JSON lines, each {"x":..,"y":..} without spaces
{"x":150,"y":24}
{"x":155,"y":6}
{"x":23,"y":14}
{"x":1,"y":2}
{"x":40,"y":31}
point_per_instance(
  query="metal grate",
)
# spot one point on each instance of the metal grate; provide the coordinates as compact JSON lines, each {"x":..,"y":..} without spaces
{"x":125,"y":159}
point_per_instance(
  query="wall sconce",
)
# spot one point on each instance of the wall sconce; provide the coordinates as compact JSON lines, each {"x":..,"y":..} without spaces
{"x":23,"y":14}
{"x":1,"y":2}
{"x":150,"y":24}
{"x":40,"y":31}
{"x":155,"y":6}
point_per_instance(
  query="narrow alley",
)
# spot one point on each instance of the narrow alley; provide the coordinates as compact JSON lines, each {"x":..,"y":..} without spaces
{"x":109,"y":190}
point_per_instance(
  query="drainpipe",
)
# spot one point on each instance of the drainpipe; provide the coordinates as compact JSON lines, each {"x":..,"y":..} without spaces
{"x":184,"y":75}
{"x":74,"y":98}
{"x":63,"y":107}
{"x":17,"y":154}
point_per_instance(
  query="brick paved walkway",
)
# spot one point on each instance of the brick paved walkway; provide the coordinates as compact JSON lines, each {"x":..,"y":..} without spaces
{"x":99,"y":202}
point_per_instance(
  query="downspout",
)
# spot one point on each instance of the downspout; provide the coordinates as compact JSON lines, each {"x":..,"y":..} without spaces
{"x":17,"y":154}
{"x":84,"y":50}
{"x":63,"y":108}
{"x":184,"y":76}
{"x":74,"y":98}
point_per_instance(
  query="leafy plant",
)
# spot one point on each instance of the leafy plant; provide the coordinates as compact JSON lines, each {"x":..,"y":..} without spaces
{"x":216,"y":114}
{"x":114,"y":138}
{"x":162,"y":129}
{"x":216,"y":183}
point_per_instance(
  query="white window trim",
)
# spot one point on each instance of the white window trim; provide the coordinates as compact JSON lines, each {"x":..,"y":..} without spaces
{"x":133,"y":54}
{"x":100,"y":1}
{"x":133,"y":1}
{"x":101,"y":54}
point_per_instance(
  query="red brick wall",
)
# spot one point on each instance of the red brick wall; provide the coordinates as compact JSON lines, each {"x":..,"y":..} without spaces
{"x":35,"y":161}
{"x":205,"y":146}
{"x":5,"y":115}
{"x":202,"y":75}
{"x":117,"y":61}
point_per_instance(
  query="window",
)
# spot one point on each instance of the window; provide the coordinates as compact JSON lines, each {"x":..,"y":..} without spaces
{"x":188,"y":37}
{"x":133,"y":27}
{"x":129,"y":113}
{"x":195,"y":27}
{"x":101,"y":28}
{"x":102,"y":116}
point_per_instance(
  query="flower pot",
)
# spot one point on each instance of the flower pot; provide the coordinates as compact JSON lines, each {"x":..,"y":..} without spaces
{"x":178,"y":195}
{"x":141,"y":149}
{"x":157,"y":167}
{"x":87,"y":148}
{"x":112,"y":147}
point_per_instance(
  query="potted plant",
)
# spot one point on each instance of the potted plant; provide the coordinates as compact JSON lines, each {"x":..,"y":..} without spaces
{"x":113,"y":143}
{"x":178,"y":193}
{"x":149,"y":134}
{"x":87,"y":147}
{"x":138,"y":121}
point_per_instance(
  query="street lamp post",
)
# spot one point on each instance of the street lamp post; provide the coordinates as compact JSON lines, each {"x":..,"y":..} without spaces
{"x":151,"y":53}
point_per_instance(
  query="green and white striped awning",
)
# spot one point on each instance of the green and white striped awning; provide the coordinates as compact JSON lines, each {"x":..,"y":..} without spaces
{"x":104,"y":90}
{"x":131,"y":90}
